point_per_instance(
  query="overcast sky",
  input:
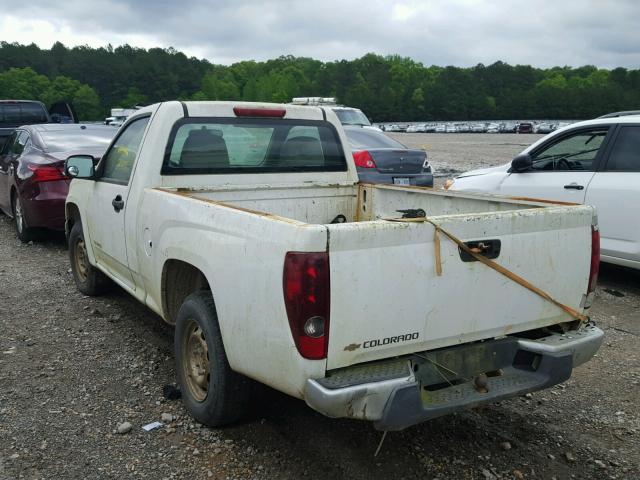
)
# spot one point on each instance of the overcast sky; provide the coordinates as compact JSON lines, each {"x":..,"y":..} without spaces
{"x":543,"y":33}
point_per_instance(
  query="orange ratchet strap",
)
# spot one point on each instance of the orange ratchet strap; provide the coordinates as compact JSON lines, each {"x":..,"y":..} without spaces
{"x":489,"y":263}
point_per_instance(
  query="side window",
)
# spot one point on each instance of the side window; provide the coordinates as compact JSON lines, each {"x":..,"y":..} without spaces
{"x":118,"y":162}
{"x":625,"y":155}
{"x":8,"y":143}
{"x":576,"y":152}
{"x":19,"y":143}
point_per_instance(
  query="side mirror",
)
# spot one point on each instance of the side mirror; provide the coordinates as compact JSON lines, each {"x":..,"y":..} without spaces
{"x":521,"y":163}
{"x":79,"y":166}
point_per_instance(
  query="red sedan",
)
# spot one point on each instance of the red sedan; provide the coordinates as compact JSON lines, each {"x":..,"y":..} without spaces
{"x":33,"y":187}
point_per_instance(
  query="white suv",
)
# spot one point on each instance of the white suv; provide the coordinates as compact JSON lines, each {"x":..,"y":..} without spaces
{"x":596,"y":162}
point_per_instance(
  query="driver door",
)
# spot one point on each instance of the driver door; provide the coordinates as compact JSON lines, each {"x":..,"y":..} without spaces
{"x":615,"y":192}
{"x":108,"y":202}
{"x":561,"y":169}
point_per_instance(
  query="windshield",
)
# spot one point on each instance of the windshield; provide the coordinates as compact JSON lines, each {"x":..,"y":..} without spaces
{"x":361,"y":139}
{"x":76,"y":139}
{"x":236,"y":145}
{"x":351,"y":116}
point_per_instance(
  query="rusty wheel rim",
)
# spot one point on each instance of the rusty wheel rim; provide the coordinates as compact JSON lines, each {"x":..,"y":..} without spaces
{"x":195,"y":361}
{"x":81,"y":260}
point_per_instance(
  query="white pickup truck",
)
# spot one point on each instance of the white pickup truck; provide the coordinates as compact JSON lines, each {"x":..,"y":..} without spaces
{"x":245,"y":226}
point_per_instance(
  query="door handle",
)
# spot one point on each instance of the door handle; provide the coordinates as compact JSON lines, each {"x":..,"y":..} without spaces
{"x":574,"y":186}
{"x":118,"y":203}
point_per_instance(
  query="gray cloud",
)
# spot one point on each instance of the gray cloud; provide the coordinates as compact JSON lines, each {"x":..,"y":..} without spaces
{"x":456,"y":32}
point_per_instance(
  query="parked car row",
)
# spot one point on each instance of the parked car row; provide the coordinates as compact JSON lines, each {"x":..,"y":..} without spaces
{"x":478,"y":127}
{"x":33,"y":185}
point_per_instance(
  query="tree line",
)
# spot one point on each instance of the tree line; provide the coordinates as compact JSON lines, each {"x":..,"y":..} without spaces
{"x":387,"y":88}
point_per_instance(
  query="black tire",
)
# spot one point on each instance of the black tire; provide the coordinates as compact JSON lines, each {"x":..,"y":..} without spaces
{"x":216,"y":395}
{"x":24,"y":233}
{"x":89,"y":280}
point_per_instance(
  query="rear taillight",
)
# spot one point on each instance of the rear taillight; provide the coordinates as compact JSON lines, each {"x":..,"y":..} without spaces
{"x":595,"y":259}
{"x":363,"y":159}
{"x":306,"y":297}
{"x":259,"y":112}
{"x":46,"y":173}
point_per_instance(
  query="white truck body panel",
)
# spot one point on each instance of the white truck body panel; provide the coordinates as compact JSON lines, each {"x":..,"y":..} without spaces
{"x":458,"y":307}
{"x":237,"y":228}
{"x":616,"y":196}
{"x":539,"y":244}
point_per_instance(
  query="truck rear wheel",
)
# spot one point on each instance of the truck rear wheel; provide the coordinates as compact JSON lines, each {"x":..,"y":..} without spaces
{"x":89,"y":280}
{"x":213,"y":394}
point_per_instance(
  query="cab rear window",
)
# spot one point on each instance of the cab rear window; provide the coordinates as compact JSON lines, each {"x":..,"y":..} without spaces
{"x":22,"y":113}
{"x":238,"y":145}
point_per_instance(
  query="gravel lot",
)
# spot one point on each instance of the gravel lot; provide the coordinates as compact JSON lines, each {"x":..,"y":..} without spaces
{"x":73,"y":369}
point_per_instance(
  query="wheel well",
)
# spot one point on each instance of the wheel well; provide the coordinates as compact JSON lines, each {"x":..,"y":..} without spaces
{"x":179,"y":280}
{"x":72,"y":214}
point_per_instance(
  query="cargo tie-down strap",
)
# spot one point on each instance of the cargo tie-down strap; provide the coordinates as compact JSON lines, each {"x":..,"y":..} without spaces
{"x":489,"y":263}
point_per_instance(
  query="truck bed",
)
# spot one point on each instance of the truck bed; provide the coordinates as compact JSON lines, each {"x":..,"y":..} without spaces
{"x":383,"y":273}
{"x":320,"y":204}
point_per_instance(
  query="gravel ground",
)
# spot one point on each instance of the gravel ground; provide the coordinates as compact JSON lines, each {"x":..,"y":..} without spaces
{"x":73,"y":369}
